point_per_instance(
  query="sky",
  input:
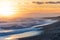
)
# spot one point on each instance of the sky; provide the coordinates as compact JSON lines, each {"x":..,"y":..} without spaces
{"x":40,"y":9}
{"x":28,"y":7}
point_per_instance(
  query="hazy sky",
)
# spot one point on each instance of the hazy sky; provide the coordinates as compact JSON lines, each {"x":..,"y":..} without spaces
{"x":27,"y":6}
{"x":23,"y":7}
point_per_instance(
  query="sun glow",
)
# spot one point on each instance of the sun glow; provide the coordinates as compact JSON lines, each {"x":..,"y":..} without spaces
{"x":6,"y":8}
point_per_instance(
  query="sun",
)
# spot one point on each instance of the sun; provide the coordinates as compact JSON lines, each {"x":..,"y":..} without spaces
{"x":6,"y":8}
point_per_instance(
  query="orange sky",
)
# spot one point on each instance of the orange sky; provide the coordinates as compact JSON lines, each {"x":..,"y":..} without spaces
{"x":22,"y":7}
{"x":27,"y":6}
{"x":48,"y":9}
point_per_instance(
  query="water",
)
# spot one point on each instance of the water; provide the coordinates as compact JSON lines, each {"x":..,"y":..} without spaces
{"x":13,"y":30}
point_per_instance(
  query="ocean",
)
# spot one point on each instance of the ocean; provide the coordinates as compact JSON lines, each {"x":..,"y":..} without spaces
{"x":23,"y":29}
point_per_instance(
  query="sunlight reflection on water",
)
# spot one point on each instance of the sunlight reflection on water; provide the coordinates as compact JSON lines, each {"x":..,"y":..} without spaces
{"x":27,"y":34}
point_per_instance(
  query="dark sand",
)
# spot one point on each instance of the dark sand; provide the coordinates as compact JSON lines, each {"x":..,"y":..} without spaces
{"x":51,"y":32}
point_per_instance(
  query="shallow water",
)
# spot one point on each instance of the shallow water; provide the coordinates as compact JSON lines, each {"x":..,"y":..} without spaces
{"x":12,"y":34}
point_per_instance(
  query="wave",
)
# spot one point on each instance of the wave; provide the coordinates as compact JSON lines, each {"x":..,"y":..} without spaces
{"x":25,"y":32}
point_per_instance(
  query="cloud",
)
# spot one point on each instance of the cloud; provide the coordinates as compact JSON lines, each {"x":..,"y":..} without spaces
{"x":37,"y":2}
